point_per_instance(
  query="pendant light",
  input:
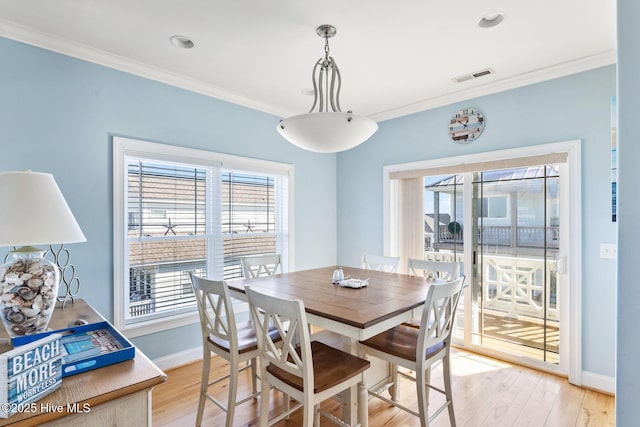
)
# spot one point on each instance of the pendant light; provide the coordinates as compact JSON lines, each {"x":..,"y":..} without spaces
{"x":327,"y":130}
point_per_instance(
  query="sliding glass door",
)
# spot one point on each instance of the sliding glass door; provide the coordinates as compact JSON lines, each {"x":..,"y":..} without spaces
{"x":444,"y":219}
{"x":515,"y":245}
{"x":505,"y":223}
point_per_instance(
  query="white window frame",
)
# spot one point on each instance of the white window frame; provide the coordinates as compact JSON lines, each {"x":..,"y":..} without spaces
{"x":126,"y":147}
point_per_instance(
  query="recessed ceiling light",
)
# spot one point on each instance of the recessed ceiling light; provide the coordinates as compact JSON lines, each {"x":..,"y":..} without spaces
{"x":181,"y":42}
{"x":491,"y":19}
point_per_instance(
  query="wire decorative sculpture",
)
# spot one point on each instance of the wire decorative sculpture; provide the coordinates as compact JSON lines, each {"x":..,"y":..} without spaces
{"x":68,"y":278}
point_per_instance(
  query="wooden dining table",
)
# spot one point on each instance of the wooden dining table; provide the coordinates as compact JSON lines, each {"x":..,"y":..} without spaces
{"x":355,"y":313}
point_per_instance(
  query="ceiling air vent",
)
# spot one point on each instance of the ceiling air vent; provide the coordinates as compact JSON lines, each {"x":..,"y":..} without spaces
{"x":475,"y":75}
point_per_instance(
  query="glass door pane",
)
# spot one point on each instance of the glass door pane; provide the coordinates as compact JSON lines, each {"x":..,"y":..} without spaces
{"x":516,"y":243}
{"x":444,"y":213}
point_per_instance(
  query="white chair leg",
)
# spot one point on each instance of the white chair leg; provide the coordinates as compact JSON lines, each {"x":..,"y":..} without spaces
{"x":423,"y":398}
{"x":287,"y":403}
{"x":264,"y":398}
{"x":308,"y":414}
{"x":316,"y":416}
{"x":204,"y":382}
{"x":233,"y":391}
{"x":446,"y":370}
{"x":254,"y":376}
{"x":427,"y":380}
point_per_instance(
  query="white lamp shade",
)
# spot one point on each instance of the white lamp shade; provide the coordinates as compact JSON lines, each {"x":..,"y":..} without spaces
{"x":34,"y":212}
{"x":327,"y":132}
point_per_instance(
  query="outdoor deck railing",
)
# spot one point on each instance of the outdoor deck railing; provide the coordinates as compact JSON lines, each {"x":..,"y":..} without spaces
{"x":514,"y":285}
{"x":525,"y":236}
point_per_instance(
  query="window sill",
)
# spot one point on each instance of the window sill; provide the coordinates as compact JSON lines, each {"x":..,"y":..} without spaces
{"x":158,"y":325}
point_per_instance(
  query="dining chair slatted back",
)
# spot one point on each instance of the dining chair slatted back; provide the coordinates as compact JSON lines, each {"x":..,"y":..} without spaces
{"x":260,"y":265}
{"x":309,"y":372}
{"x":418,"y":349}
{"x":380,"y":263}
{"x":220,"y":336}
{"x":289,"y":319}
{"x":436,"y":269}
{"x":436,"y":323}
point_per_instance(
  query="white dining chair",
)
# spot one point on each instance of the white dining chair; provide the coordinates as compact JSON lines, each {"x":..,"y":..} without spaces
{"x":442,"y":270}
{"x":260,"y":265}
{"x":439,"y":270}
{"x":308,"y":371}
{"x":419,"y":349}
{"x":221,"y":335}
{"x":380,"y":262}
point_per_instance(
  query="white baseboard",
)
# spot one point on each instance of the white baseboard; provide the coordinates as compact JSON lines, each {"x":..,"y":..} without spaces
{"x":178,"y":359}
{"x":599,"y":382}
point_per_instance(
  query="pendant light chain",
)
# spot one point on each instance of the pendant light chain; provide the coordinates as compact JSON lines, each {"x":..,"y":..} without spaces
{"x":326,"y":89}
{"x":326,"y":49}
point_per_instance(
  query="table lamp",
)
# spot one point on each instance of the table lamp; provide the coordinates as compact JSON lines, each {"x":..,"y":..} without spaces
{"x":33,"y":212}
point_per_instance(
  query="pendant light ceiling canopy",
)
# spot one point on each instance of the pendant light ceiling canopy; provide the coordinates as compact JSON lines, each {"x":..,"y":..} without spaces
{"x":327,"y":130}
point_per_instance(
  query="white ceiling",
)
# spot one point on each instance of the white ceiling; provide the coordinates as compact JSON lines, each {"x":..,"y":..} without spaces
{"x":395,"y":58}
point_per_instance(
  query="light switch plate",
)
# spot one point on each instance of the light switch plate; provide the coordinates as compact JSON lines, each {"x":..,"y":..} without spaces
{"x":608,"y":250}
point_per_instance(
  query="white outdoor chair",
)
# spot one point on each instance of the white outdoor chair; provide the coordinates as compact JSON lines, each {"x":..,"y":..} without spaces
{"x":310,"y":372}
{"x":260,"y":265}
{"x":380,"y":263}
{"x":236,"y":343}
{"x":436,"y":269}
{"x":418,"y":350}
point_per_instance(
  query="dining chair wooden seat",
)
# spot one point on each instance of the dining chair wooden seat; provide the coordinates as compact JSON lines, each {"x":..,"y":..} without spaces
{"x":330,"y":368}
{"x":309,"y":372}
{"x":380,"y":263}
{"x":221,"y":335}
{"x":419,"y":349}
{"x":401,"y":342}
{"x":247,"y":340}
{"x":260,"y":265}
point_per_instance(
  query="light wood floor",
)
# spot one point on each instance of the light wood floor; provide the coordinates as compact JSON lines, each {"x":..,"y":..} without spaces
{"x":486,"y":392}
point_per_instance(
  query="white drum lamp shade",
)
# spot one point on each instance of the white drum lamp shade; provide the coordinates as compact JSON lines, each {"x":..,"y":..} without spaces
{"x":33,"y":211}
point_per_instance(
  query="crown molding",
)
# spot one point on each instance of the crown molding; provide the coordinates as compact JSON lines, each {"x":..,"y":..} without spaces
{"x":67,"y":47}
{"x":71,"y":48}
{"x":560,"y":70}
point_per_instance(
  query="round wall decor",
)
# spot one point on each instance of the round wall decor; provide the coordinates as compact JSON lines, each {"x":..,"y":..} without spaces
{"x":466,"y":125}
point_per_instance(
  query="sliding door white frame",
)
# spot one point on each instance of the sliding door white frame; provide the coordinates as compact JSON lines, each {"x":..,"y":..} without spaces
{"x":571,"y":234}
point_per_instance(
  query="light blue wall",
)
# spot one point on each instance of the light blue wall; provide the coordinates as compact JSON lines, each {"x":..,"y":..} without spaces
{"x":574,"y":107}
{"x":628,"y":332}
{"x":58,"y":115}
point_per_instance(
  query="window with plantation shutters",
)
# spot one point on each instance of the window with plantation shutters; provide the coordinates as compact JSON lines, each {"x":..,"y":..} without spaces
{"x":249,"y":217}
{"x":166,"y":235}
{"x":179,"y":211}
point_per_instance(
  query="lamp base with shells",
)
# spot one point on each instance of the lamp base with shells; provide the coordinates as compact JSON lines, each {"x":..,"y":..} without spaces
{"x":29,"y":289}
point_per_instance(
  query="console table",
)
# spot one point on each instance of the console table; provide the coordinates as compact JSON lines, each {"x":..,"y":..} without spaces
{"x":115,"y":395}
